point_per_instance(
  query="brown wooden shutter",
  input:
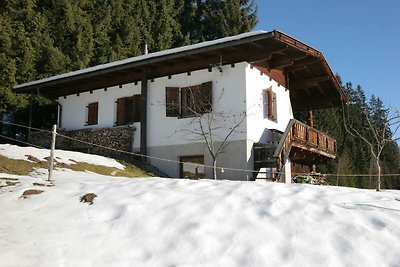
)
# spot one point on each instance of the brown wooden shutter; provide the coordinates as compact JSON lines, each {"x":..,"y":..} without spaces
{"x":93,"y":113}
{"x":206,"y":96}
{"x":121,"y":111}
{"x":195,"y":101}
{"x":270,"y":103}
{"x":172,"y":101}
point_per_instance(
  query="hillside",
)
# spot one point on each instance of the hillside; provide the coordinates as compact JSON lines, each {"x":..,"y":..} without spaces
{"x":177,"y":222}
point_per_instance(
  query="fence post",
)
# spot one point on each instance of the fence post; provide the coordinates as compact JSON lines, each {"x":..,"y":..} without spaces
{"x":53,"y":145}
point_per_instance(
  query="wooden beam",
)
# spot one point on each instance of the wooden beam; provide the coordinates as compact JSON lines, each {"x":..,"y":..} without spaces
{"x":302,"y":104}
{"x":267,"y":57}
{"x":307,"y":82}
{"x":287,"y":61}
{"x":280,"y":63}
{"x":302,"y":64}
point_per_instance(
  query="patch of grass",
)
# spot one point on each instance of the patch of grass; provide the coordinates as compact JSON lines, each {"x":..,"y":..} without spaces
{"x":8,"y":179}
{"x":130,"y":170}
{"x":9,"y":183}
{"x":39,"y":184}
{"x":18,"y":166}
{"x":23,"y":167}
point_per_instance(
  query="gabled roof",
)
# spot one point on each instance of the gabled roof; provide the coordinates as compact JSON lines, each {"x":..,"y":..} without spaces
{"x":306,"y":72}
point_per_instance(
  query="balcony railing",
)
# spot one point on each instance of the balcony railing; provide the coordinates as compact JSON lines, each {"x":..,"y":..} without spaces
{"x":308,"y":141}
{"x":303,"y":135}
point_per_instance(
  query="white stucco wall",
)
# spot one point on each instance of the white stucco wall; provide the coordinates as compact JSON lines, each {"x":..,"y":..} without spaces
{"x":256,"y":123}
{"x":237,"y":92}
{"x":228,"y":96}
{"x":74,"y":111}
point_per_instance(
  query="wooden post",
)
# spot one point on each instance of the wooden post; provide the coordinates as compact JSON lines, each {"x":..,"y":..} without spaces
{"x":311,"y":118}
{"x":53,"y":145}
{"x":143,"y":115}
{"x":30,"y":116}
{"x":143,"y":107}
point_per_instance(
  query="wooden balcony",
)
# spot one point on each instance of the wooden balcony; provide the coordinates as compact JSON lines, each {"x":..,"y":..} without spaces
{"x":305,"y":137}
{"x":301,"y":143}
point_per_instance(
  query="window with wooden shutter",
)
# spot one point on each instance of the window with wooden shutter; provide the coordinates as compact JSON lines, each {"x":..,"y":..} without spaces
{"x":206,"y":97}
{"x":172,"y":101}
{"x":189,"y":100}
{"x":128,"y":110}
{"x":269,"y":104}
{"x":196,"y":99}
{"x":92,"y":114}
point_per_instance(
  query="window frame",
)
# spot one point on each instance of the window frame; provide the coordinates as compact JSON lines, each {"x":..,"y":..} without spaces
{"x":181,"y":102}
{"x":270,"y":105}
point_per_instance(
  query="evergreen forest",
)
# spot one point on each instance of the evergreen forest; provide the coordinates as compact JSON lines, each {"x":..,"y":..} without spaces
{"x":42,"y":38}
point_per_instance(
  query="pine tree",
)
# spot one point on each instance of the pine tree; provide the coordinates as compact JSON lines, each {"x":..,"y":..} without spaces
{"x":204,"y":20}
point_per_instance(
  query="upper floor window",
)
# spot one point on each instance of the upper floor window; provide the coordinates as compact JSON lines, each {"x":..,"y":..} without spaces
{"x":269,"y":104}
{"x":128,"y":110}
{"x":92,"y":113}
{"x":188,"y":101}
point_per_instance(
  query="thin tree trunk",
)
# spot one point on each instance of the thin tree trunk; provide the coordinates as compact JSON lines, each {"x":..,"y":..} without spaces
{"x":215,"y":168}
{"x":378,"y":187}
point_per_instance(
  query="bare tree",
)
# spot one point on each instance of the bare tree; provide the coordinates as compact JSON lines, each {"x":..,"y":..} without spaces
{"x":382,"y":134}
{"x":207,"y":124}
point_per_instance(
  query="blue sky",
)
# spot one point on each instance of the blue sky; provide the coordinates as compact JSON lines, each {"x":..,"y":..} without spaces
{"x":359,"y":38}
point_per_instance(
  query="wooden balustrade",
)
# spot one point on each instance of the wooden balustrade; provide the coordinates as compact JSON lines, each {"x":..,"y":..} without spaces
{"x":306,"y":135}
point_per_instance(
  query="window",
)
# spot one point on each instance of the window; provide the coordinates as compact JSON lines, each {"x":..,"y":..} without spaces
{"x":92,"y":114}
{"x":172,"y":101}
{"x":192,"y":167}
{"x":269,"y":104}
{"x":128,"y":110}
{"x":188,"y":101}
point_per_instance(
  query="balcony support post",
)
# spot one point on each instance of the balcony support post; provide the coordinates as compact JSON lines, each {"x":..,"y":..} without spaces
{"x":288,"y":171}
{"x":310,"y":118}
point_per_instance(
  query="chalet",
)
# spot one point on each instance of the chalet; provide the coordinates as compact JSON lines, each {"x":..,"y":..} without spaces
{"x":253,"y":82}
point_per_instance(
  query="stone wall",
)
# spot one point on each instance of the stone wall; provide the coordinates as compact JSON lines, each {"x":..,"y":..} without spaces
{"x":118,"y":138}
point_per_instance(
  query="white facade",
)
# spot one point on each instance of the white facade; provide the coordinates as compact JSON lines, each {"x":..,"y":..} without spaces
{"x":237,"y":92}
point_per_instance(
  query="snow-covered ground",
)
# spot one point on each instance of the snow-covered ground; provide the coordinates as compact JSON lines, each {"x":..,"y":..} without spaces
{"x":176,"y":222}
{"x":67,"y":157}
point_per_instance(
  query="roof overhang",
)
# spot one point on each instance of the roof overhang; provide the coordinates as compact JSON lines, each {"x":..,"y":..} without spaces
{"x":306,"y":73}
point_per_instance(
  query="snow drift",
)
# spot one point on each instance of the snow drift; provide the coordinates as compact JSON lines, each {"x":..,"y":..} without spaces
{"x":176,"y":222}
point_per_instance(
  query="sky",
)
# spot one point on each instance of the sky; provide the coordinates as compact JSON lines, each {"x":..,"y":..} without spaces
{"x":360,"y":39}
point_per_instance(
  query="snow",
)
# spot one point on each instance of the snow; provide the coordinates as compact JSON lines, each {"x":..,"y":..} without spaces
{"x":62,"y":156}
{"x":178,"y":222}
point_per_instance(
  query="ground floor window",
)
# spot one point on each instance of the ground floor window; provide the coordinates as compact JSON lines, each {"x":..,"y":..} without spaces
{"x":192,"y":167}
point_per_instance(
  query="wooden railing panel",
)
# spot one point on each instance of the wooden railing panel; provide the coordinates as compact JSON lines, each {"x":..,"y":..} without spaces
{"x":312,"y":137}
{"x":306,"y":135}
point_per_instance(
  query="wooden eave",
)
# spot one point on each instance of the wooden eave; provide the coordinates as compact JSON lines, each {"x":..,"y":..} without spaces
{"x":303,"y":70}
